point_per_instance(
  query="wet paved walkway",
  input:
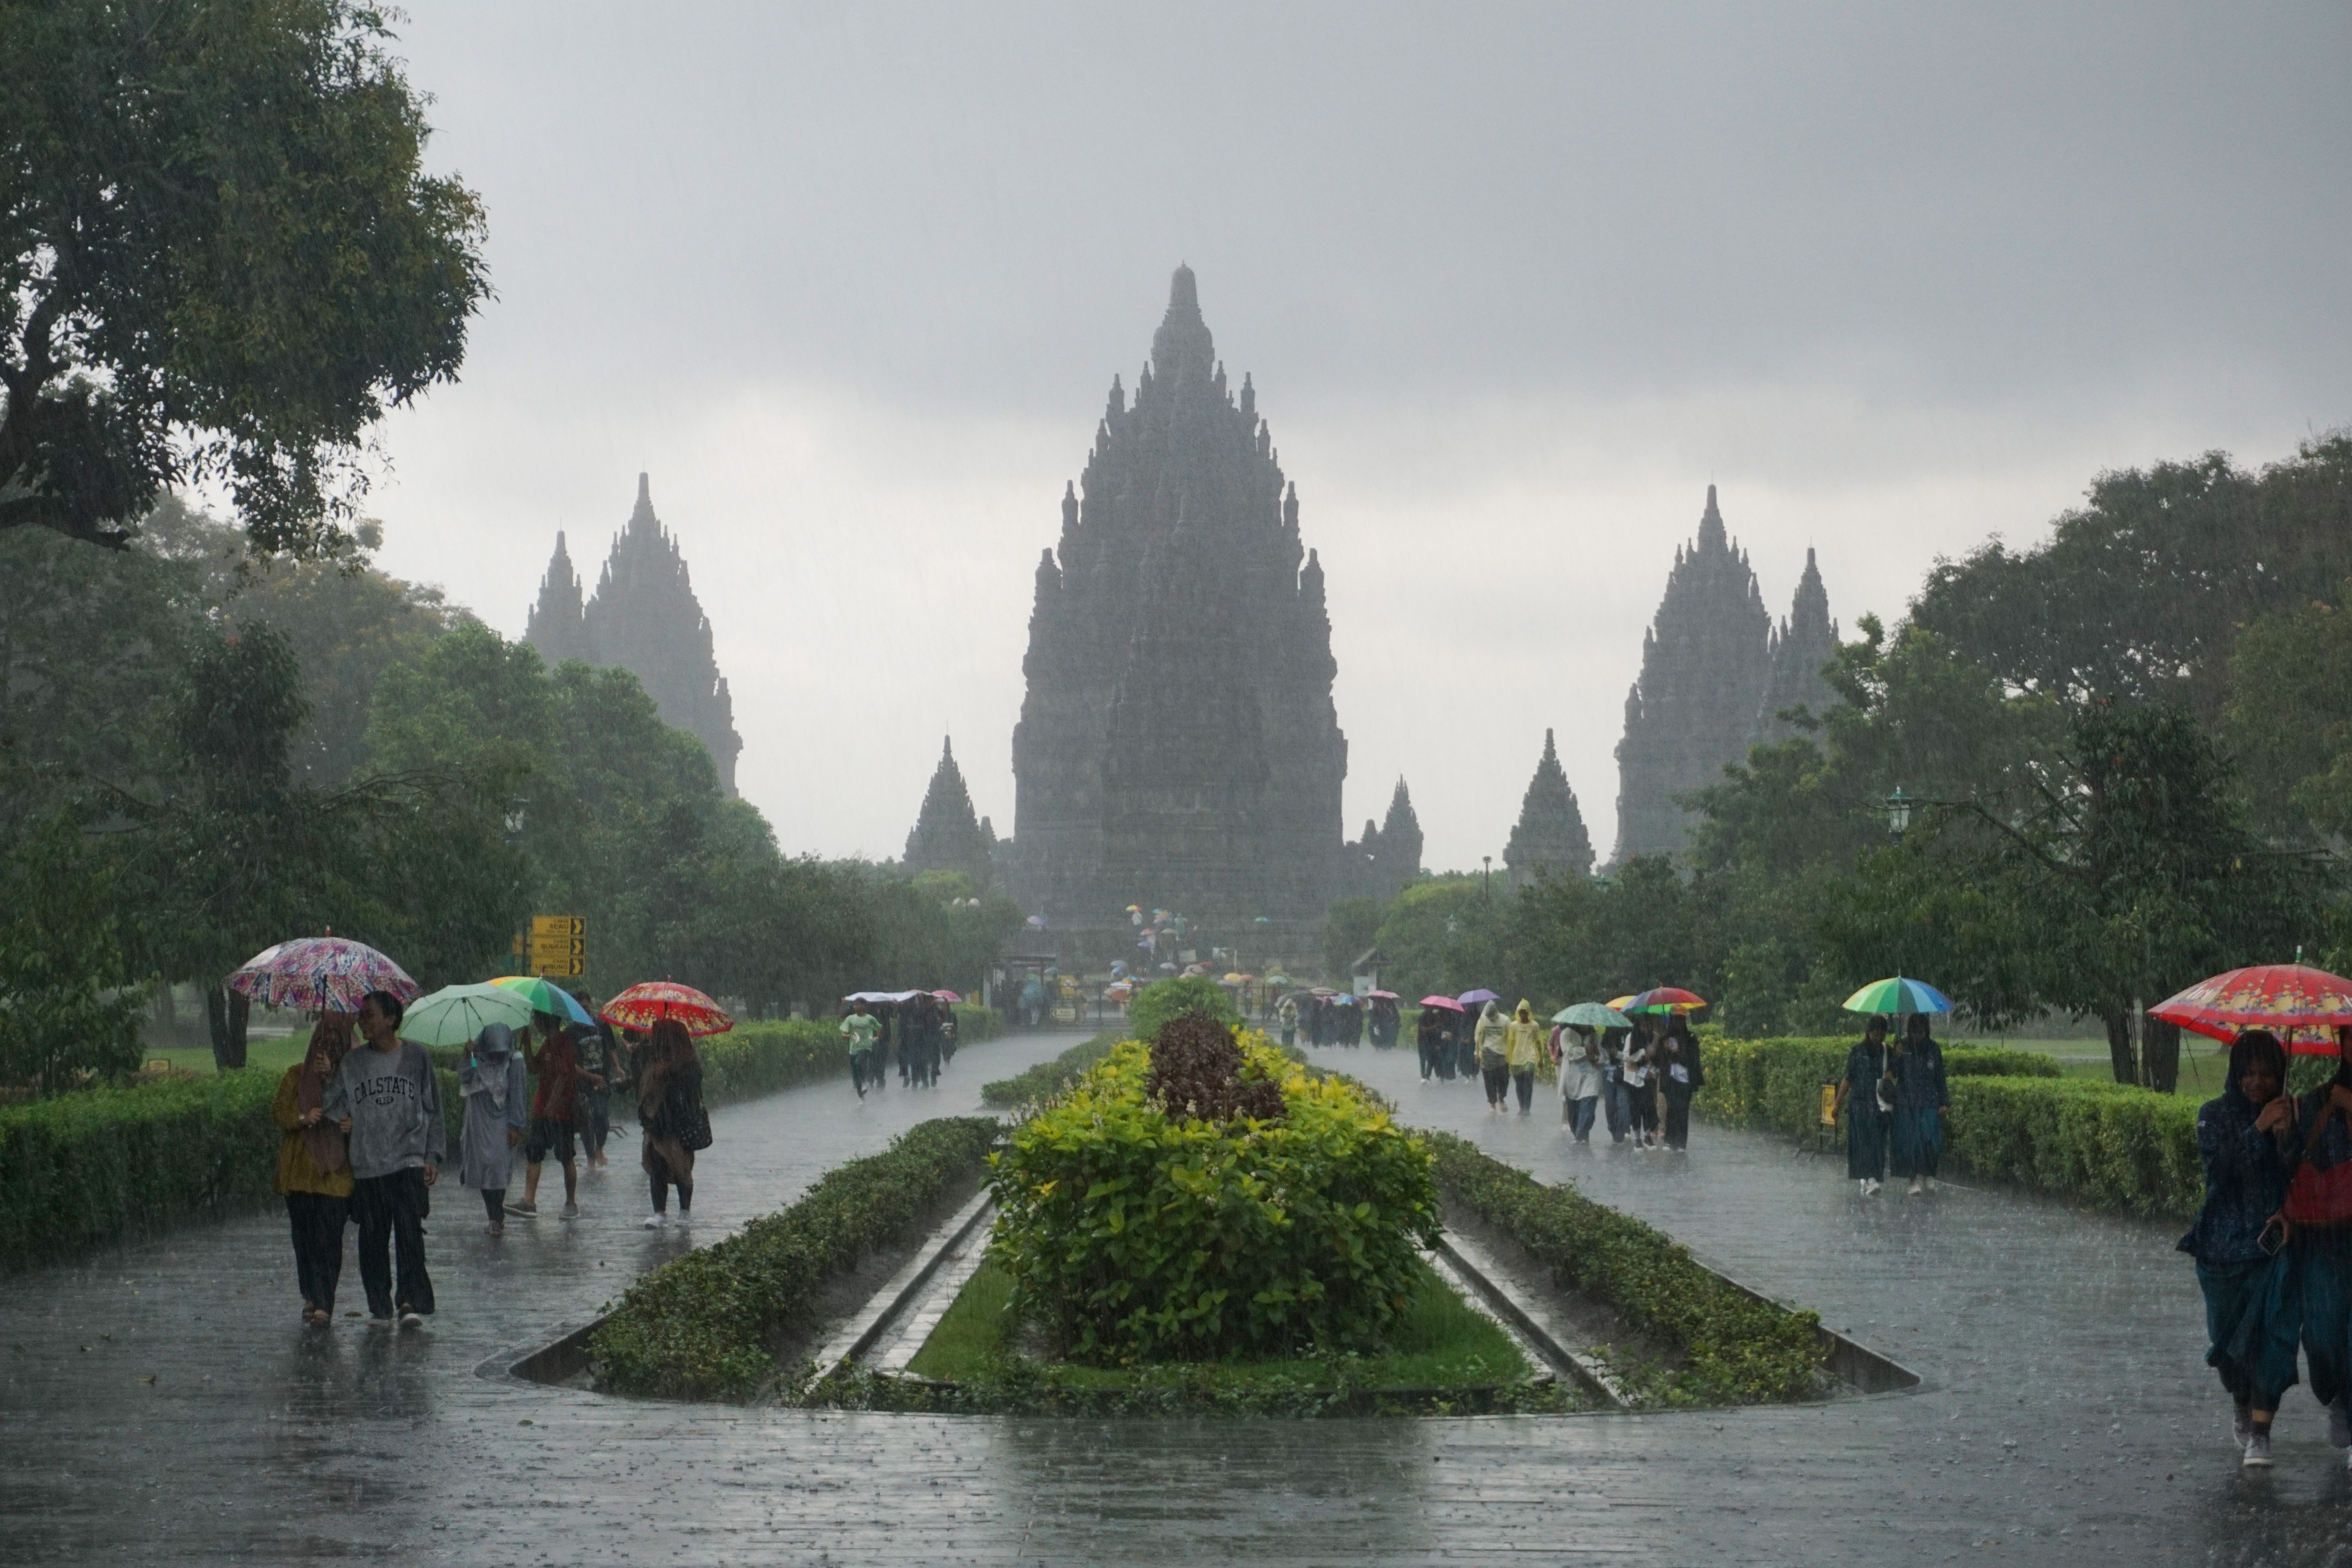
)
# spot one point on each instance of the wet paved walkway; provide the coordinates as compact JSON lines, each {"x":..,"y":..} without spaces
{"x":2066,"y":1417}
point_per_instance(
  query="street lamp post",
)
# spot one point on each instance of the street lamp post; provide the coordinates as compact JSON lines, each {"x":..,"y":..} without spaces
{"x":1486,"y":877}
{"x":1898,"y":812}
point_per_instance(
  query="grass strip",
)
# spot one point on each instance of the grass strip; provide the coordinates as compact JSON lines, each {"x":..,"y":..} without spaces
{"x":1043,"y":1082}
{"x":700,"y":1327}
{"x":1731,"y":1347}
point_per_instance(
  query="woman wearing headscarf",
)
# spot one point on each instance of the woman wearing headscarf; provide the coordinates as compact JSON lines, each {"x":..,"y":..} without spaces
{"x":1858,"y":1097}
{"x":2319,"y":1213}
{"x":1579,"y":1080}
{"x":2247,"y":1140}
{"x":1523,"y":1047}
{"x":498,"y":1108}
{"x":314,"y":1176}
{"x":669,"y":1108}
{"x":1922,"y":1099}
{"x":1637,"y":1071}
{"x":1494,"y":1058}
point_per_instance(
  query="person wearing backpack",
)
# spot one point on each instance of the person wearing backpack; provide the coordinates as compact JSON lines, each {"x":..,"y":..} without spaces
{"x":2246,"y":1140}
{"x":2318,"y":1213}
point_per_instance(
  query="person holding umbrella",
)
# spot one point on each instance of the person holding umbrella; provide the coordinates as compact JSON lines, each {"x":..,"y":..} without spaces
{"x":1922,"y":1100}
{"x":669,"y":1105}
{"x":313,"y":1176}
{"x":496,"y":1110}
{"x":1580,"y":1080}
{"x":2318,"y":1210}
{"x":1865,"y":1117}
{"x":1427,"y":1034}
{"x":387,"y":1100}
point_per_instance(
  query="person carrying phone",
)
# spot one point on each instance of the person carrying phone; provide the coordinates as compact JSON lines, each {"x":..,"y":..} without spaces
{"x":2247,"y":1140}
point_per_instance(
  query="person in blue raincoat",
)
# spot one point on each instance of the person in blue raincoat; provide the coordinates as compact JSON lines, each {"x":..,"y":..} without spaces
{"x":1858,"y":1102}
{"x":2323,"y":1251}
{"x":1921,"y":1099}
{"x":2246,"y":1138}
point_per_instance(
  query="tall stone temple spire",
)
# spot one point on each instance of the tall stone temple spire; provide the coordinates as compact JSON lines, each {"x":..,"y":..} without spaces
{"x":558,"y":626}
{"x":1549,"y":836}
{"x":1803,"y":642}
{"x":947,"y":835}
{"x":1178,"y":747}
{"x":644,"y":618}
{"x":1704,"y":673}
{"x":1387,"y":859}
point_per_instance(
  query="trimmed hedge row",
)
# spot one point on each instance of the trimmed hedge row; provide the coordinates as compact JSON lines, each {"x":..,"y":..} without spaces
{"x":99,"y":1164}
{"x":2012,"y":1119}
{"x":1041,"y":1083}
{"x":1736,"y":1350}
{"x":699,"y":1327}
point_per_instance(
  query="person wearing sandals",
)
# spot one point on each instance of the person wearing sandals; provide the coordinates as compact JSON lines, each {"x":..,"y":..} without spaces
{"x":313,"y":1175}
{"x":2319,"y":1218}
{"x":2246,"y":1138}
{"x":498,"y":1108}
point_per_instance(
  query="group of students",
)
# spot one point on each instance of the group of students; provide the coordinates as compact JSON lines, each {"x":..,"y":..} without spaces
{"x":2273,"y":1241}
{"x":920,"y":1031}
{"x":1337,"y":1020}
{"x":1895,"y":1099}
{"x":1638,"y":1082}
{"x":365,"y":1137}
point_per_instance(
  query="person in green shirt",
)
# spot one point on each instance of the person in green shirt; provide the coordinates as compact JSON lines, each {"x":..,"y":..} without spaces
{"x":859,"y":1029}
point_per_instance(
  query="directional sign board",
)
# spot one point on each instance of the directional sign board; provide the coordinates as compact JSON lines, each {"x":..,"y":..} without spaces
{"x":559,"y":945}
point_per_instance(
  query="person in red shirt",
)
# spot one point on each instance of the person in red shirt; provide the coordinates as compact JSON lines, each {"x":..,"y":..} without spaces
{"x":557,"y":1065}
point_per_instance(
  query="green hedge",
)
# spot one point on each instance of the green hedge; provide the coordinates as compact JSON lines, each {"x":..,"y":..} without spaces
{"x":1736,"y":1350}
{"x":699,"y":1327}
{"x":1047,"y":1080}
{"x":2013,"y":1119}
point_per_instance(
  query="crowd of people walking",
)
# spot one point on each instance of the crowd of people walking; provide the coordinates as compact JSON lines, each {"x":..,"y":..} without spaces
{"x":916,"y":1029}
{"x":365,"y":1137}
{"x":1635,"y":1083}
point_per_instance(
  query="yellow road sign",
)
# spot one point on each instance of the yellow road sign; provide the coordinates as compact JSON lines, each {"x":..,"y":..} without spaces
{"x":559,"y":945}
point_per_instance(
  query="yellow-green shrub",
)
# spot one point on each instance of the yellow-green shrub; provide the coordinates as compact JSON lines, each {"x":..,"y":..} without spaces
{"x":1135,"y":1235}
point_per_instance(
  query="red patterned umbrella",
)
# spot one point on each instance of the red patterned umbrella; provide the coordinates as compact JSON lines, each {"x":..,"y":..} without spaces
{"x":321,"y":974}
{"x":643,"y":1006}
{"x":2300,"y":1004}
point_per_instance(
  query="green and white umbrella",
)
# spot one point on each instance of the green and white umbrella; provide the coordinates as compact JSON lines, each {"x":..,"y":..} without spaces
{"x":456,"y":1014}
{"x":1898,"y":996}
{"x":1593,"y":1016}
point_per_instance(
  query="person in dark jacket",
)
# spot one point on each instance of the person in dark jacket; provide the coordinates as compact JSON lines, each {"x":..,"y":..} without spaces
{"x":1865,"y":1117}
{"x":1922,"y":1099}
{"x":670,"y":1111}
{"x":2322,"y":1252}
{"x":1427,"y":1036}
{"x":2253,"y":1314}
{"x":1680,"y":1076}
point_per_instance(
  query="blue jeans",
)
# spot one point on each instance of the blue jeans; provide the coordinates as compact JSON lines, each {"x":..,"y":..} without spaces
{"x":1580,"y":1115}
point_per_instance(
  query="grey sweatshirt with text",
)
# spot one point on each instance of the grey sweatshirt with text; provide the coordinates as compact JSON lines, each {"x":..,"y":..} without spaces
{"x":395,"y":1102}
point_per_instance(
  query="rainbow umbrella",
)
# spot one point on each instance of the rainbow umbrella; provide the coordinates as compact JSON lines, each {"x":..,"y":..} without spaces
{"x":320,"y":974}
{"x":1898,"y":996}
{"x":643,"y":1006}
{"x":552,"y":1000}
{"x":2302,"y":1005}
{"x":1665,"y":999}
{"x":1619,"y":1003}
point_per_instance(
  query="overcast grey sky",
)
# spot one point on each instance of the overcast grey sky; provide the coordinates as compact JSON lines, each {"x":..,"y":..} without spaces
{"x":1515,"y":284}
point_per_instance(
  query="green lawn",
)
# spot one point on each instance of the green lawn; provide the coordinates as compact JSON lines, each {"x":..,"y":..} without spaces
{"x":1442,"y":1343}
{"x":276,"y":1052}
{"x":2202,"y":1061}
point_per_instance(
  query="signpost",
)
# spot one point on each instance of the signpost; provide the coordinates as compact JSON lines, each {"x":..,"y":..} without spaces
{"x":559,"y":946}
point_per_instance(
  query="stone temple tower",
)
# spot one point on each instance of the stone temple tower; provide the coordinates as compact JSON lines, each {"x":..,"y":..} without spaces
{"x":947,"y":836}
{"x":1178,"y":747}
{"x":1704,"y":674}
{"x":643,"y":617}
{"x":1800,"y":645}
{"x":1549,"y":836}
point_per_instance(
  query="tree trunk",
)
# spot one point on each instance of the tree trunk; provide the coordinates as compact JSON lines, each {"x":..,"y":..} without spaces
{"x":2160,"y":1053}
{"x":2119,"y":1047}
{"x":225,"y":1012}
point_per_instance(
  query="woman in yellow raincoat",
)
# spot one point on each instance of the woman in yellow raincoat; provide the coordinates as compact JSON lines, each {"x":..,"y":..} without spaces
{"x":1523,"y":1047}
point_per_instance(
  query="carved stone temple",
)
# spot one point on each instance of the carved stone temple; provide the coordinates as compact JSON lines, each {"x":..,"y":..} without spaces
{"x":1715,"y":674}
{"x":1178,"y":747}
{"x":644,"y":618}
{"x":947,"y":835}
{"x":1387,"y":859}
{"x":1549,"y":838}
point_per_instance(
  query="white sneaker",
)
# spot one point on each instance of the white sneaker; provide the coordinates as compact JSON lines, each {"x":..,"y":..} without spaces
{"x":1872,"y":1186}
{"x":571,"y":1211}
{"x":1931,"y":1184}
{"x":2258,"y":1449}
{"x":656,"y":1221}
{"x":1914,"y":1186}
{"x":412,"y":1320}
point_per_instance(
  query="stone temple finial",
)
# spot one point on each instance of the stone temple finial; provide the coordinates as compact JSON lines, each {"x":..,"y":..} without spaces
{"x":1183,"y":292}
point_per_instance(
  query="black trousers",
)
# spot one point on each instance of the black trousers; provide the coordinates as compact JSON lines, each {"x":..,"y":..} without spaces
{"x":1498,"y":1081}
{"x":391,"y":1211}
{"x":597,"y":1125}
{"x":318,"y":1224}
{"x":1677,"y":1120}
{"x":1524,"y":1080}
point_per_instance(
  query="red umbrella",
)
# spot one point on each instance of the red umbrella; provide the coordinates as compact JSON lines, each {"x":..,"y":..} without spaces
{"x":643,"y":1006}
{"x":1448,"y":1003}
{"x":2302,"y":1005}
{"x":947,"y":996}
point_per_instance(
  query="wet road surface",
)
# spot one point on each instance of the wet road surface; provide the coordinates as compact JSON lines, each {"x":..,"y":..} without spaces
{"x":2066,"y":1417}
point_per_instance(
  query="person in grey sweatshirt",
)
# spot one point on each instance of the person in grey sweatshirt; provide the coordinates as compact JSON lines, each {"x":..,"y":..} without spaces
{"x":388,"y":1103}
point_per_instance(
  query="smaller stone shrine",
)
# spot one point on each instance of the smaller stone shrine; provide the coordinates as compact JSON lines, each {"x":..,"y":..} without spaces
{"x":1549,"y":838}
{"x":947,"y":835}
{"x":1387,"y":859}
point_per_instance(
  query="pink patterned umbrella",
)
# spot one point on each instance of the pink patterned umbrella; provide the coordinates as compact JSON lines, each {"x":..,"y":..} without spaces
{"x":2300,"y":1004}
{"x":643,"y":1006}
{"x":320,"y":974}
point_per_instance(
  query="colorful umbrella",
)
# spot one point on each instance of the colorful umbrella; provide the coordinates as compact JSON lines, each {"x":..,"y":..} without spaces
{"x":643,"y":1006}
{"x":456,"y":1014}
{"x":1898,"y":996}
{"x":1448,"y":1003}
{"x":320,"y":974}
{"x":947,"y":996}
{"x":1619,"y":1003}
{"x":1469,"y":998}
{"x":1322,"y":991}
{"x":1664,"y":999}
{"x":553,"y":1000}
{"x":1593,"y":1016}
{"x":2301,"y":1004}
{"x":1384,"y":995}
